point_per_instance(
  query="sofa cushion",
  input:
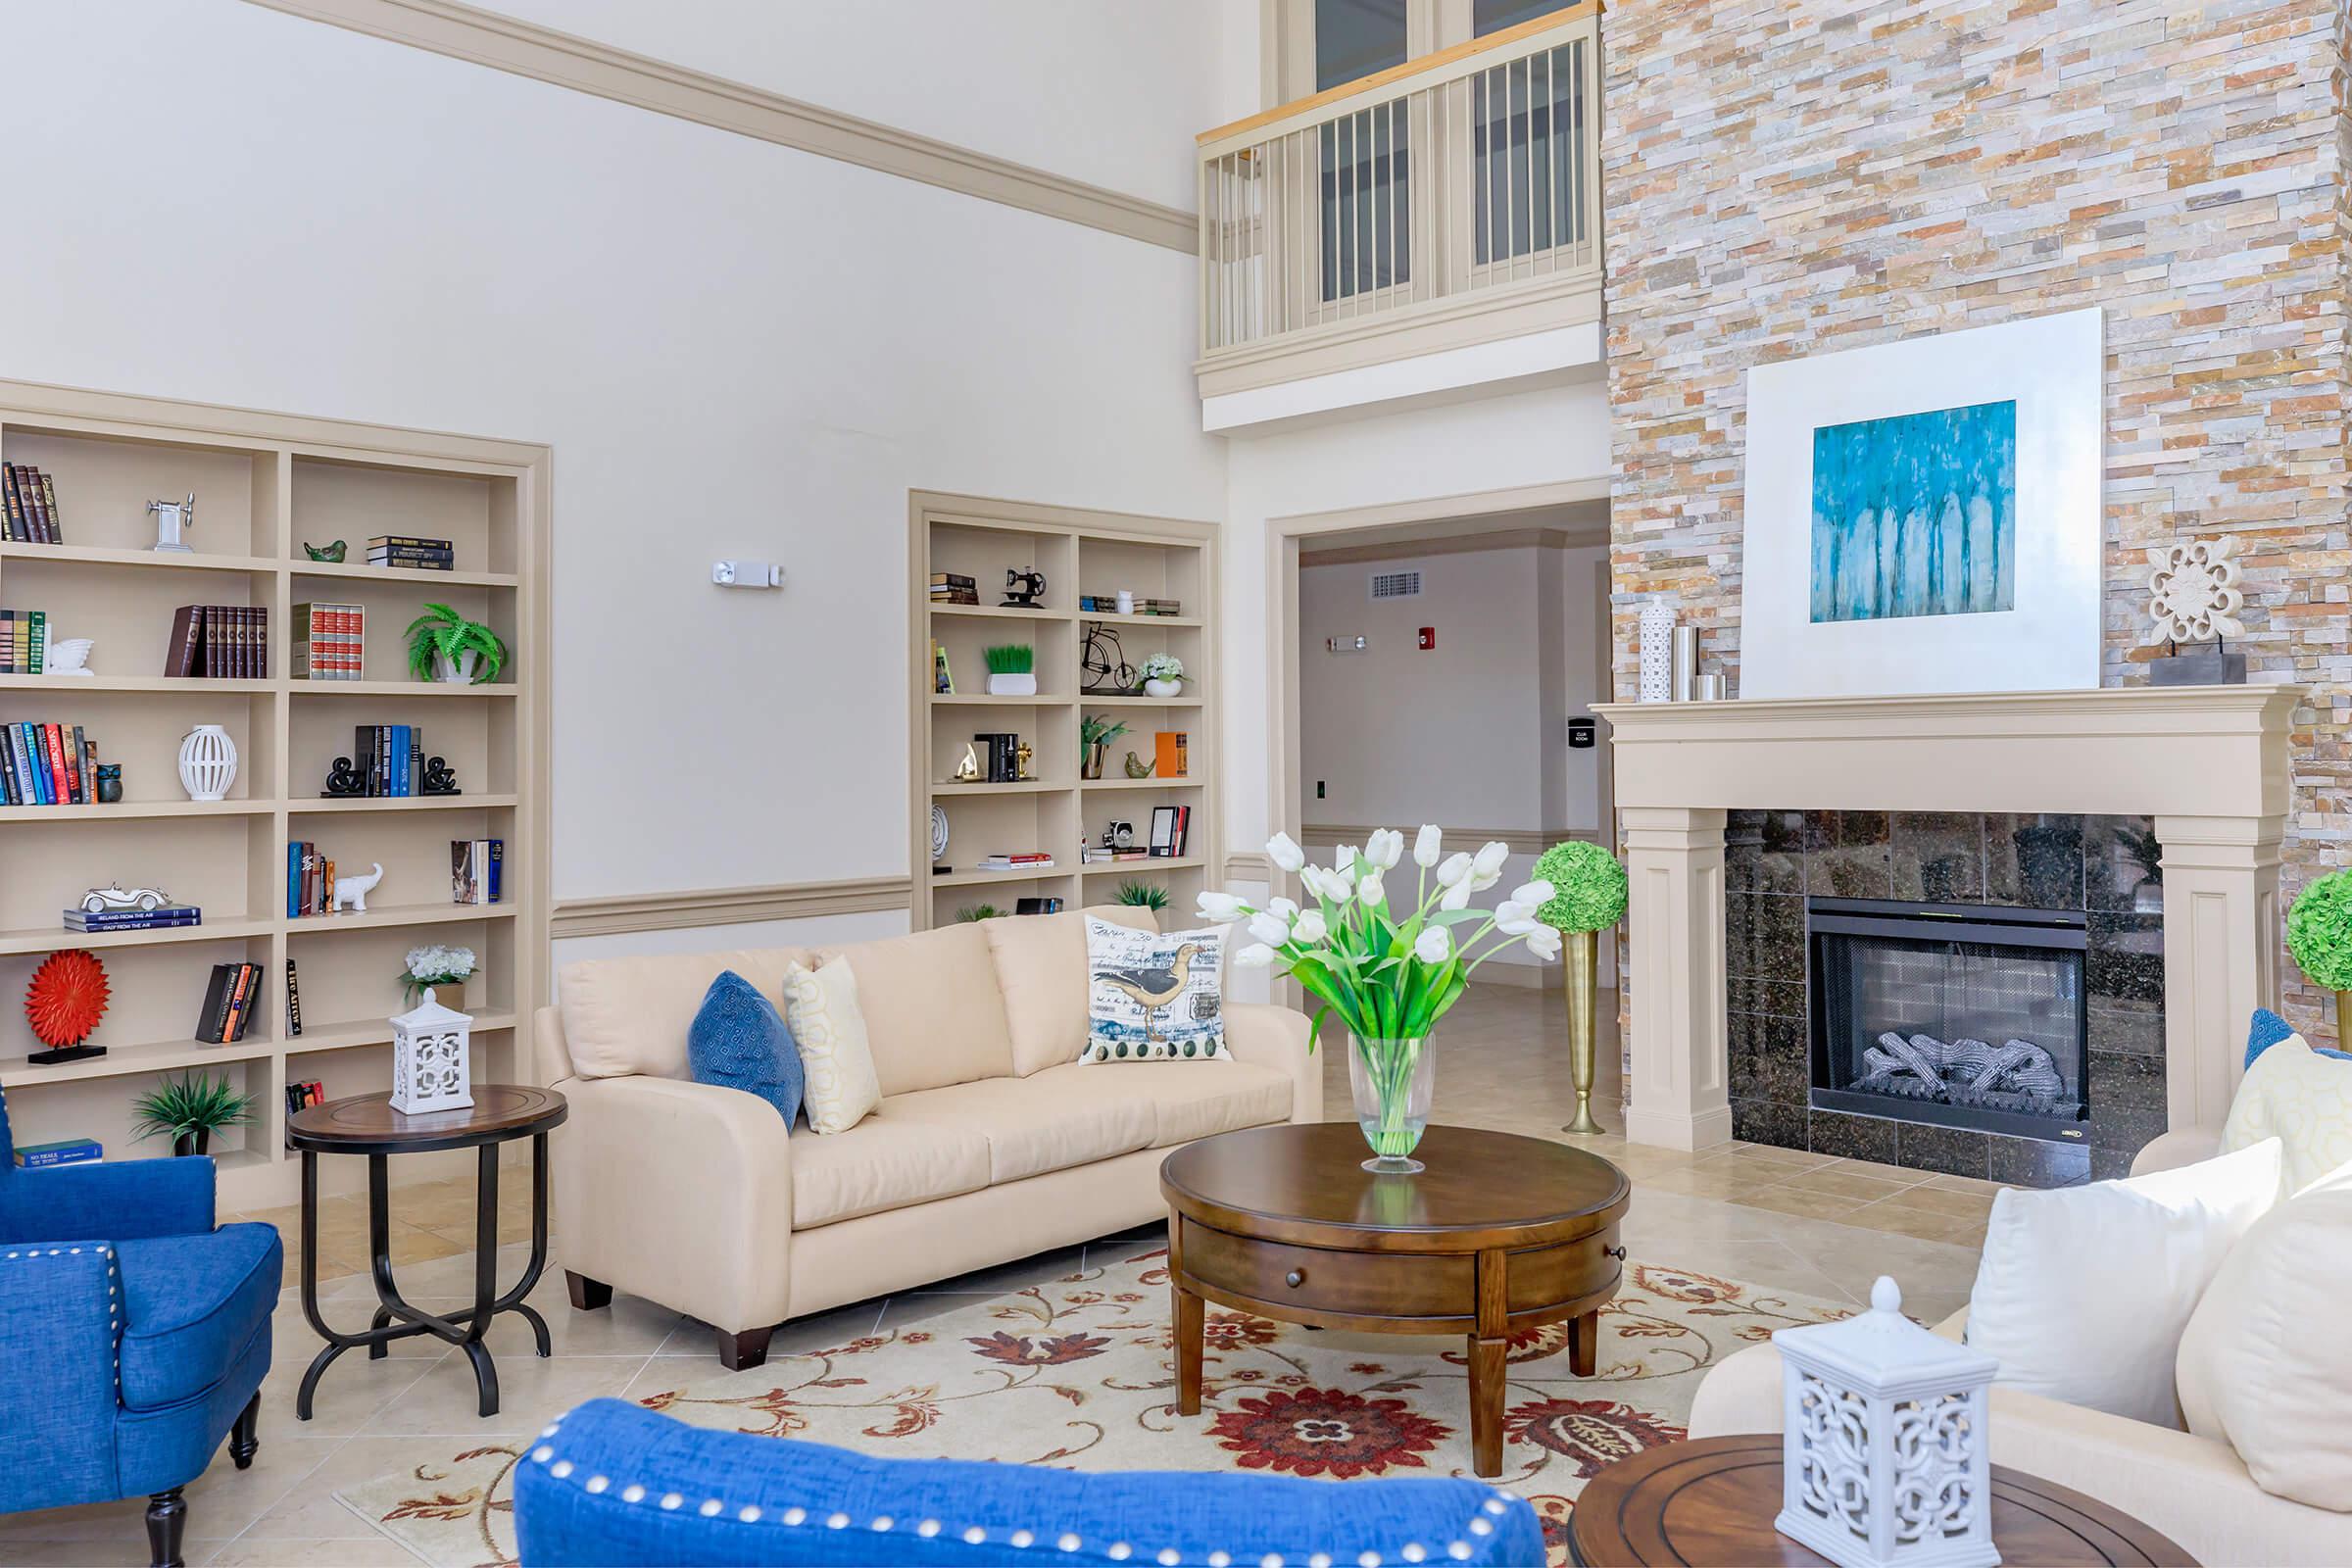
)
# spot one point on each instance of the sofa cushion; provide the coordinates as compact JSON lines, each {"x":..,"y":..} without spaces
{"x":1048,"y":1121}
{"x":828,"y":1023}
{"x":2301,"y":1098}
{"x":886,"y":1162}
{"x":189,"y":1305}
{"x":1195,"y":1099}
{"x":738,"y":1041}
{"x":1154,"y":996}
{"x":1041,"y":967}
{"x":933,"y":1013}
{"x":625,"y":1016}
{"x":2262,"y":1366}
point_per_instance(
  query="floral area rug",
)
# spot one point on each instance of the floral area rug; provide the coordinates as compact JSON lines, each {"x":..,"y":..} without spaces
{"x":1079,"y":1372}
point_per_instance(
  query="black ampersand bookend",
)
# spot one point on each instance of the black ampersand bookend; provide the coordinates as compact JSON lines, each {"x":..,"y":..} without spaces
{"x":439,"y":778}
{"x":342,"y":779}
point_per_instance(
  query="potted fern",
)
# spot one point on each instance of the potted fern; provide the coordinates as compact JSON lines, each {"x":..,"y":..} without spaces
{"x":1011,"y":669}
{"x":444,"y":646}
{"x":191,"y":1109}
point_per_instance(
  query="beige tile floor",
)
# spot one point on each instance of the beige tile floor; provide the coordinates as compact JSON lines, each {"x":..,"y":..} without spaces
{"x":1798,"y":1222}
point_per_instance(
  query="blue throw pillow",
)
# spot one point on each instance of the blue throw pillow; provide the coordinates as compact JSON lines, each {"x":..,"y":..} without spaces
{"x":738,"y":1041}
{"x":2267,"y":1029}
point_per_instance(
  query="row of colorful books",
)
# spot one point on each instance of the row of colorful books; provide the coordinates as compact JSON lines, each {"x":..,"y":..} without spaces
{"x":413,"y":554}
{"x":104,"y":921}
{"x":47,"y":765}
{"x":63,"y":1151}
{"x":302,"y":1097}
{"x":1108,"y":605}
{"x":31,"y":502}
{"x":390,"y":759}
{"x":220,"y":642}
{"x":310,"y":880}
{"x":477,"y":870}
{"x":330,"y":642}
{"x":23,"y":642}
{"x":230,"y":1000}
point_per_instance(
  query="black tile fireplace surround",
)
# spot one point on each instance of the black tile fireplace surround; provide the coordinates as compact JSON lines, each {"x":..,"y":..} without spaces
{"x":2096,"y":875}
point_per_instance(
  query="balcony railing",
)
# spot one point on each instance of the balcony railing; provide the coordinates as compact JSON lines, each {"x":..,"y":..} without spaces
{"x":1471,"y":171}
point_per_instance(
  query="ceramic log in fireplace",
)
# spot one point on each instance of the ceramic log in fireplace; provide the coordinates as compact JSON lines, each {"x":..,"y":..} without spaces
{"x":1957,"y":1014}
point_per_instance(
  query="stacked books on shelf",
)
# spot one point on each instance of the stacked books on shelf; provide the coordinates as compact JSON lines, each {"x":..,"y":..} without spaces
{"x":1108,"y":605}
{"x":230,"y":1002}
{"x":309,"y":882}
{"x":63,"y":1151}
{"x":47,"y":765}
{"x":23,"y":641}
{"x":303,"y":1095}
{"x":1105,"y":855}
{"x":477,"y":870}
{"x":219,"y":642}
{"x":411,"y":553}
{"x":105,"y":920}
{"x":389,"y":758}
{"x":330,"y":642}
{"x":954,"y":588}
{"x":1028,"y":861}
{"x":32,"y":504}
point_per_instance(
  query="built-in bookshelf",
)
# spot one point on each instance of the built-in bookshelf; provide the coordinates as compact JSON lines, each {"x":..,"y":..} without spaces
{"x":1057,"y":811}
{"x":265,"y":485}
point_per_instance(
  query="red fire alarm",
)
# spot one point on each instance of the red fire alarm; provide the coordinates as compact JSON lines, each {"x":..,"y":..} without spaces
{"x":1429,"y":638}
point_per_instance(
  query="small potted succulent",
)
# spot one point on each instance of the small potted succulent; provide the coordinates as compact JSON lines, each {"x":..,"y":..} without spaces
{"x":190,"y":1109}
{"x":436,"y":968}
{"x":1011,"y":669}
{"x":1142,"y":896}
{"x":1163,"y":675}
{"x":2318,"y":933}
{"x":445,"y":647}
{"x":1096,"y":732}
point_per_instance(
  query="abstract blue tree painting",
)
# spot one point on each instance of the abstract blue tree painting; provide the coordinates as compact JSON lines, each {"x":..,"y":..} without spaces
{"x":1916,"y":515}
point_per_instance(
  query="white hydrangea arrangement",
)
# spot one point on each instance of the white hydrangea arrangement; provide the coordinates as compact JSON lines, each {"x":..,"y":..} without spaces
{"x":436,"y":966}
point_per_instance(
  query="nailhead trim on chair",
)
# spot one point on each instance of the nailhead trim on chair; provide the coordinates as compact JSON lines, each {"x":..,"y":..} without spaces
{"x":1412,"y":1551}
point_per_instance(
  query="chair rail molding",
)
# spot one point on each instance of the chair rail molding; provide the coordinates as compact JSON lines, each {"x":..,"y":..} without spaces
{"x":563,"y":60}
{"x":617,"y":913}
{"x":1522,"y":840}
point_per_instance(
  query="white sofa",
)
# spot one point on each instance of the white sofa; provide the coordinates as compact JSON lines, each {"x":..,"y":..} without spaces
{"x":2195,"y":1490}
{"x":992,"y":1142}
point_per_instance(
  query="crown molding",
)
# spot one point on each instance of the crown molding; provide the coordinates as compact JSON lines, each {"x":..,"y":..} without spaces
{"x":543,"y":54}
{"x":783,"y":901}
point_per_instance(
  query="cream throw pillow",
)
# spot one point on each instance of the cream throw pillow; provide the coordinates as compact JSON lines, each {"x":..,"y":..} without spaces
{"x":2082,"y":1292}
{"x":820,"y":1006}
{"x":2264,"y":1365}
{"x":2304,"y":1100}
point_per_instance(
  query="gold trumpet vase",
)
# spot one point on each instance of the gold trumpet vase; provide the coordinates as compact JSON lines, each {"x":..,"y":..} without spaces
{"x":1580,"y":951}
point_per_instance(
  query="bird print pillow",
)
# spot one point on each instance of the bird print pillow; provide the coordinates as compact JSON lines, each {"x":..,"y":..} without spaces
{"x":1154,"y":996}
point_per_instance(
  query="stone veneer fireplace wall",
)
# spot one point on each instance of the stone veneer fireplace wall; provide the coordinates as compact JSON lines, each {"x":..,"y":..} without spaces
{"x":2101,"y":866}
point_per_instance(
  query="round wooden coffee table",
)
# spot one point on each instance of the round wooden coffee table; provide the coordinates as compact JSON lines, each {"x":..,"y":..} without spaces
{"x":1711,"y":1503}
{"x":366,"y":1124}
{"x":1499,"y":1233}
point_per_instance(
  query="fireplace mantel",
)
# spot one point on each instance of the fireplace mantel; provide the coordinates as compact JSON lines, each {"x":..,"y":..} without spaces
{"x":2208,"y":762}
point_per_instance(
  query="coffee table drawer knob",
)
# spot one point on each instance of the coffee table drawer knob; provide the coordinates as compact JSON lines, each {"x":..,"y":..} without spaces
{"x":1617,"y":1252}
{"x":1295,"y":1278}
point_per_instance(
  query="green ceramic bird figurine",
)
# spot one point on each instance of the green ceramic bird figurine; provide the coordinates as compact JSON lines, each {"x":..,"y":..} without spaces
{"x":329,"y":553}
{"x":1137,"y":769}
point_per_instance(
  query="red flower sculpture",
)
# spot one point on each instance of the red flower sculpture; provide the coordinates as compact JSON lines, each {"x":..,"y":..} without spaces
{"x":67,"y":998}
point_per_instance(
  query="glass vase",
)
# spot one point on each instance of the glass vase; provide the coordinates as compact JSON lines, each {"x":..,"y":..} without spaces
{"x":1390,"y":1081}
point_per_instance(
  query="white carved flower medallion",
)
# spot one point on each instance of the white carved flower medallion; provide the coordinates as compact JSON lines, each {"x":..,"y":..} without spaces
{"x":2193,"y":595}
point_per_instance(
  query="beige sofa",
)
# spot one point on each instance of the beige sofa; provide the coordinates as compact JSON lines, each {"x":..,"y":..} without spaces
{"x":992,"y":1142}
{"x":2195,"y":1490}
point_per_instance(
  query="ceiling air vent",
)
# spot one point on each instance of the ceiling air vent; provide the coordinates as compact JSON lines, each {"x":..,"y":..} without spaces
{"x":1395,"y":585}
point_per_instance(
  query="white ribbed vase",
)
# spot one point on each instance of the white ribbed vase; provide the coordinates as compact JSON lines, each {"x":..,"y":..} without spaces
{"x":208,"y":763}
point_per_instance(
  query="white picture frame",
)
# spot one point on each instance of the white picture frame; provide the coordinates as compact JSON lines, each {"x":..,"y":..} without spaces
{"x":2047,"y":634}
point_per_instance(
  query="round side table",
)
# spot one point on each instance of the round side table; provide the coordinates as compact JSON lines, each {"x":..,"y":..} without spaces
{"x":366,"y":1124}
{"x":1711,"y":1503}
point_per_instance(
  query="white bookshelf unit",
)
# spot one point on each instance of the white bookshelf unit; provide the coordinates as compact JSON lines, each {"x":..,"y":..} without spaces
{"x":1057,"y":812}
{"x":264,"y":484}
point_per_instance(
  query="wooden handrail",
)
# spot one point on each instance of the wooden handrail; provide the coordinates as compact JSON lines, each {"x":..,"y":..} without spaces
{"x":1415,"y":66}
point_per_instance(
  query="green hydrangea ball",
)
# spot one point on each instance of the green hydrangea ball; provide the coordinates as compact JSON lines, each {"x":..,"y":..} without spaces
{"x":1588,"y":887}
{"x":2319,"y":931}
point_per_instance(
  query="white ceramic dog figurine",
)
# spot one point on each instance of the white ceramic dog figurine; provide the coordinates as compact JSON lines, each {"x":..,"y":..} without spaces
{"x":351,"y":892}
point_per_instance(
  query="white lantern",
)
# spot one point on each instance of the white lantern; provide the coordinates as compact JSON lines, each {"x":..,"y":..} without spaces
{"x":1882,"y":1457}
{"x":430,"y":1068}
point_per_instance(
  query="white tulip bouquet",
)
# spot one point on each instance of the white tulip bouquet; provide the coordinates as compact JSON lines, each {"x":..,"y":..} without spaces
{"x":1386,"y":973}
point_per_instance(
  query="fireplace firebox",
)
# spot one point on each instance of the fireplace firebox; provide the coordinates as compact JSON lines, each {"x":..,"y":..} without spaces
{"x":1962,"y":1015}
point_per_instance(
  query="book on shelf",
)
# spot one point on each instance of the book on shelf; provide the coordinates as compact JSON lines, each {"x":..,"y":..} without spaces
{"x":1171,"y":751}
{"x":169,"y":914}
{"x":954,"y":579}
{"x":293,"y":1003}
{"x":302,"y":1097}
{"x":390,"y":759}
{"x":1033,"y":860}
{"x":310,"y":881}
{"x":1171,"y":831}
{"x":63,"y":1151}
{"x":412,"y":552}
{"x":47,"y":765}
{"x":30,"y":500}
{"x":1102,"y":854}
{"x":231,"y":998}
{"x":1108,"y":605}
{"x":330,"y":642}
{"x":23,"y":642}
{"x":219,"y":642}
{"x":943,"y":679}
{"x":477,"y":870}
{"x":1037,"y":905}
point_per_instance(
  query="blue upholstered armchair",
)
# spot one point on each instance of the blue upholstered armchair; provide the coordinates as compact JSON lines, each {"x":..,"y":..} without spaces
{"x":612,"y":1482}
{"x":133,"y":1335}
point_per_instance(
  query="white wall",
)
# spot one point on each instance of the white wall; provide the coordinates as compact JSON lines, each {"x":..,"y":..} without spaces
{"x":1107,"y":91}
{"x":734,"y":349}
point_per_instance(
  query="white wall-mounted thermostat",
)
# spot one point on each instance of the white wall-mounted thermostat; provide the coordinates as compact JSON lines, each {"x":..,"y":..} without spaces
{"x":746,"y":574}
